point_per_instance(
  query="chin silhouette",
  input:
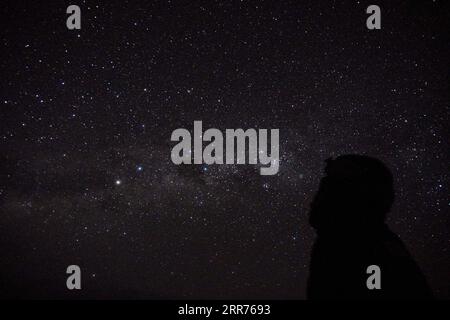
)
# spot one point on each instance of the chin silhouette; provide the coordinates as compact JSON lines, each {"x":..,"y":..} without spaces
{"x":348,"y":213}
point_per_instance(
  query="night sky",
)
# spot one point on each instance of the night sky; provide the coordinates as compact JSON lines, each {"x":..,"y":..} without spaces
{"x":86,"y":119}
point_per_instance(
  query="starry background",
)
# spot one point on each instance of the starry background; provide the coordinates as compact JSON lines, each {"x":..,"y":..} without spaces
{"x":86,"y":119}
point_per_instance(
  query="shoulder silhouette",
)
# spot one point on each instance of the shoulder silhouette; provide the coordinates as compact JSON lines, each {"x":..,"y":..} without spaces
{"x":348,"y":213}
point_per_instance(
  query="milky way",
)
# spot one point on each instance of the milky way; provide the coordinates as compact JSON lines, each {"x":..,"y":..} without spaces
{"x":86,"y":175}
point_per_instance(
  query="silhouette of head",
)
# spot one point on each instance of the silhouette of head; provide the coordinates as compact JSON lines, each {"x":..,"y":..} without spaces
{"x":354,"y":196}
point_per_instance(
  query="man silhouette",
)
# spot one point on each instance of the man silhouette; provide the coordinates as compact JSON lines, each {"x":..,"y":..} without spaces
{"x":348,"y":214}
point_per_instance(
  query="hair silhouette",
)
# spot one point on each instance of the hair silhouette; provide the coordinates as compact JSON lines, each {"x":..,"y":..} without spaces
{"x":348,"y":213}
